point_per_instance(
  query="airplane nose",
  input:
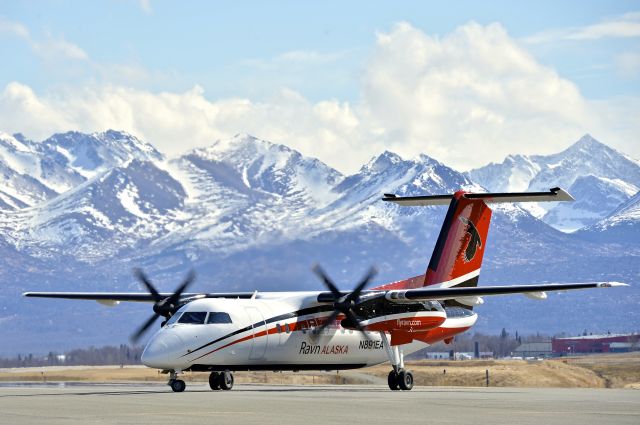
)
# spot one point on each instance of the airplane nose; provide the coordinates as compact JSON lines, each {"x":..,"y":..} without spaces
{"x":162,"y":351}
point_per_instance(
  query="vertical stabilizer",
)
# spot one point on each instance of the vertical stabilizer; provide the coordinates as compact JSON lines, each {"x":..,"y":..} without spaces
{"x":457,"y":256}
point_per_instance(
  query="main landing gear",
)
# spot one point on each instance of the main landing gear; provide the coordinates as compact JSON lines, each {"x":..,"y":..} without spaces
{"x":399,"y":378}
{"x":221,"y":380}
{"x":402,"y":380}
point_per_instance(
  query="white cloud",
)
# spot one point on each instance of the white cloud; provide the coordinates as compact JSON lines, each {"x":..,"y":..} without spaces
{"x":13,"y":28}
{"x":49,"y":47}
{"x":52,"y":48}
{"x":468,"y":98}
{"x":624,"y":26}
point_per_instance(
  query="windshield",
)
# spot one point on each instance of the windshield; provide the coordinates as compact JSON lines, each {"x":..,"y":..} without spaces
{"x":218,"y":317}
{"x":193,"y":317}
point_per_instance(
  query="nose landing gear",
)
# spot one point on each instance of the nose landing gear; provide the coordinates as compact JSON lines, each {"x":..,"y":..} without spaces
{"x":399,"y":378}
{"x":177,"y":385}
{"x":221,"y":380}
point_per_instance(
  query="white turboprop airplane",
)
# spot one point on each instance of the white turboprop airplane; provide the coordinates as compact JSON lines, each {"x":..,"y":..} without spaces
{"x":225,"y":332}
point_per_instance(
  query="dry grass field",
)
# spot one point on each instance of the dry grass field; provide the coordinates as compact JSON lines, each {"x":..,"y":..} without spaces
{"x":617,"y":370}
{"x":599,"y":371}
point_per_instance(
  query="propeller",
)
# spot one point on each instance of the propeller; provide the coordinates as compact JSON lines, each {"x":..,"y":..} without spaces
{"x":164,"y":307}
{"x":344,"y":304}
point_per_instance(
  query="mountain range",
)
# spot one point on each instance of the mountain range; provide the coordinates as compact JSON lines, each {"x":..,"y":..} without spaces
{"x":79,"y":211}
{"x":599,"y":177}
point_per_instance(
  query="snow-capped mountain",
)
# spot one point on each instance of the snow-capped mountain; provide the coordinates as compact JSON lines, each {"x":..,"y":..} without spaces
{"x":32,"y":172}
{"x":599,"y":178}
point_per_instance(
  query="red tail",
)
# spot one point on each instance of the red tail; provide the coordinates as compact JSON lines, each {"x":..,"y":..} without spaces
{"x":458,"y":253}
{"x":457,"y":256}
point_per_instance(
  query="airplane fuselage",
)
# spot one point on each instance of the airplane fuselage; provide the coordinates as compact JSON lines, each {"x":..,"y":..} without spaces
{"x":280,"y":332}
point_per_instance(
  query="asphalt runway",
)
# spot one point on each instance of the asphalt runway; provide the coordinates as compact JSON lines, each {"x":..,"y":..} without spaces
{"x":269,"y":404}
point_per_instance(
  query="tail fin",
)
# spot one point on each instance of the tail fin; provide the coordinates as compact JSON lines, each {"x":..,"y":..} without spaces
{"x":457,"y":256}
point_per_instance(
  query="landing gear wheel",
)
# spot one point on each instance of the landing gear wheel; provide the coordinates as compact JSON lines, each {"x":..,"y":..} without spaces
{"x":226,"y":381}
{"x":214,"y":380}
{"x":405,"y":379}
{"x":392,"y":380}
{"x":177,"y":385}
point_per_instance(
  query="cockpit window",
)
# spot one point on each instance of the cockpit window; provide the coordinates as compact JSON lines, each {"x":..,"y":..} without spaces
{"x":218,"y":317}
{"x":193,"y":317}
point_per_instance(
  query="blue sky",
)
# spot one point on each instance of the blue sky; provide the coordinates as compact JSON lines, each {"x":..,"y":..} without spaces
{"x":318,"y":75}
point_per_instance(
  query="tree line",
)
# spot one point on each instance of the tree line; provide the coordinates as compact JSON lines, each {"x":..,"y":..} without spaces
{"x":93,"y":356}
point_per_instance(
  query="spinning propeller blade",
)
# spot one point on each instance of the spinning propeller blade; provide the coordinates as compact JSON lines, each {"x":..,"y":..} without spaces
{"x":142,"y":329}
{"x":165,"y":307}
{"x":344,"y":304}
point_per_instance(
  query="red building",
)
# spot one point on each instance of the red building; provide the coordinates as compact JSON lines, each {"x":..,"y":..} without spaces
{"x":593,"y":344}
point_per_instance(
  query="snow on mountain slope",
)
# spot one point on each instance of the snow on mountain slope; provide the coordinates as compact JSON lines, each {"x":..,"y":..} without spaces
{"x":621,"y":226}
{"x":21,"y":166}
{"x":33,"y":172}
{"x":274,"y":168}
{"x":360,"y":193}
{"x":246,"y":192}
{"x":589,"y":168}
{"x":112,"y":212}
{"x":586,"y":157}
{"x":89,"y":154}
{"x":595,"y":198}
{"x":514,"y":174}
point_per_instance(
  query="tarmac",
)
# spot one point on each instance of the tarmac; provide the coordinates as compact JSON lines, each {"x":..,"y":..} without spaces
{"x":69,"y":403}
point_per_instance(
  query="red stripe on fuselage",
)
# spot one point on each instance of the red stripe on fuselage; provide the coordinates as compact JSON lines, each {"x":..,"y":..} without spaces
{"x":431,"y":337}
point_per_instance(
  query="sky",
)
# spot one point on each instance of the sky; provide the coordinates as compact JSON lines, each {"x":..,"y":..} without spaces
{"x":465,"y":82}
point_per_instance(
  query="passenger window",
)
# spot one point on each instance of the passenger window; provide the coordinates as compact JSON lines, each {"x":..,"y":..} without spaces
{"x":278,"y":328}
{"x":286,"y":328}
{"x":218,"y":317}
{"x":193,"y":317}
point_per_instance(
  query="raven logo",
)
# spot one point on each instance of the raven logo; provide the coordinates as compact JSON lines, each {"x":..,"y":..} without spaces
{"x":474,"y":240}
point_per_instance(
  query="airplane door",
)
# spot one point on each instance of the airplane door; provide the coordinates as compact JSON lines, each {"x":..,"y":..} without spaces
{"x":258,"y":342}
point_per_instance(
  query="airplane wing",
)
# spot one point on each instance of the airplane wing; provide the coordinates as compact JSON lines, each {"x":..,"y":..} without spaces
{"x":131,"y":296}
{"x":440,"y":294}
{"x":460,"y":292}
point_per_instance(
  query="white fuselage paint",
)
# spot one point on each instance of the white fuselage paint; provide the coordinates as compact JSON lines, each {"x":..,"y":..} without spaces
{"x":249,"y":341}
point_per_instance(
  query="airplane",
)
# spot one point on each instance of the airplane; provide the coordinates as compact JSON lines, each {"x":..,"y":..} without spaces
{"x":221,"y":333}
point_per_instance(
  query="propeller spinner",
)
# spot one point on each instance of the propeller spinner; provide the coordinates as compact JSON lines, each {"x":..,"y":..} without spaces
{"x":164,"y":307}
{"x":344,"y":304}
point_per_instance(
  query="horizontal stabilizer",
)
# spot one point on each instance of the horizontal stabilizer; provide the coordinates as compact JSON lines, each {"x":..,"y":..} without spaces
{"x":555,"y":194}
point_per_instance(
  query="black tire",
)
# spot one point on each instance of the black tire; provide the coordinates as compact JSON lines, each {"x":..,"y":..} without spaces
{"x":405,"y":379}
{"x":214,"y":380}
{"x":226,"y":381}
{"x":392,"y":380}
{"x":178,"y":385}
